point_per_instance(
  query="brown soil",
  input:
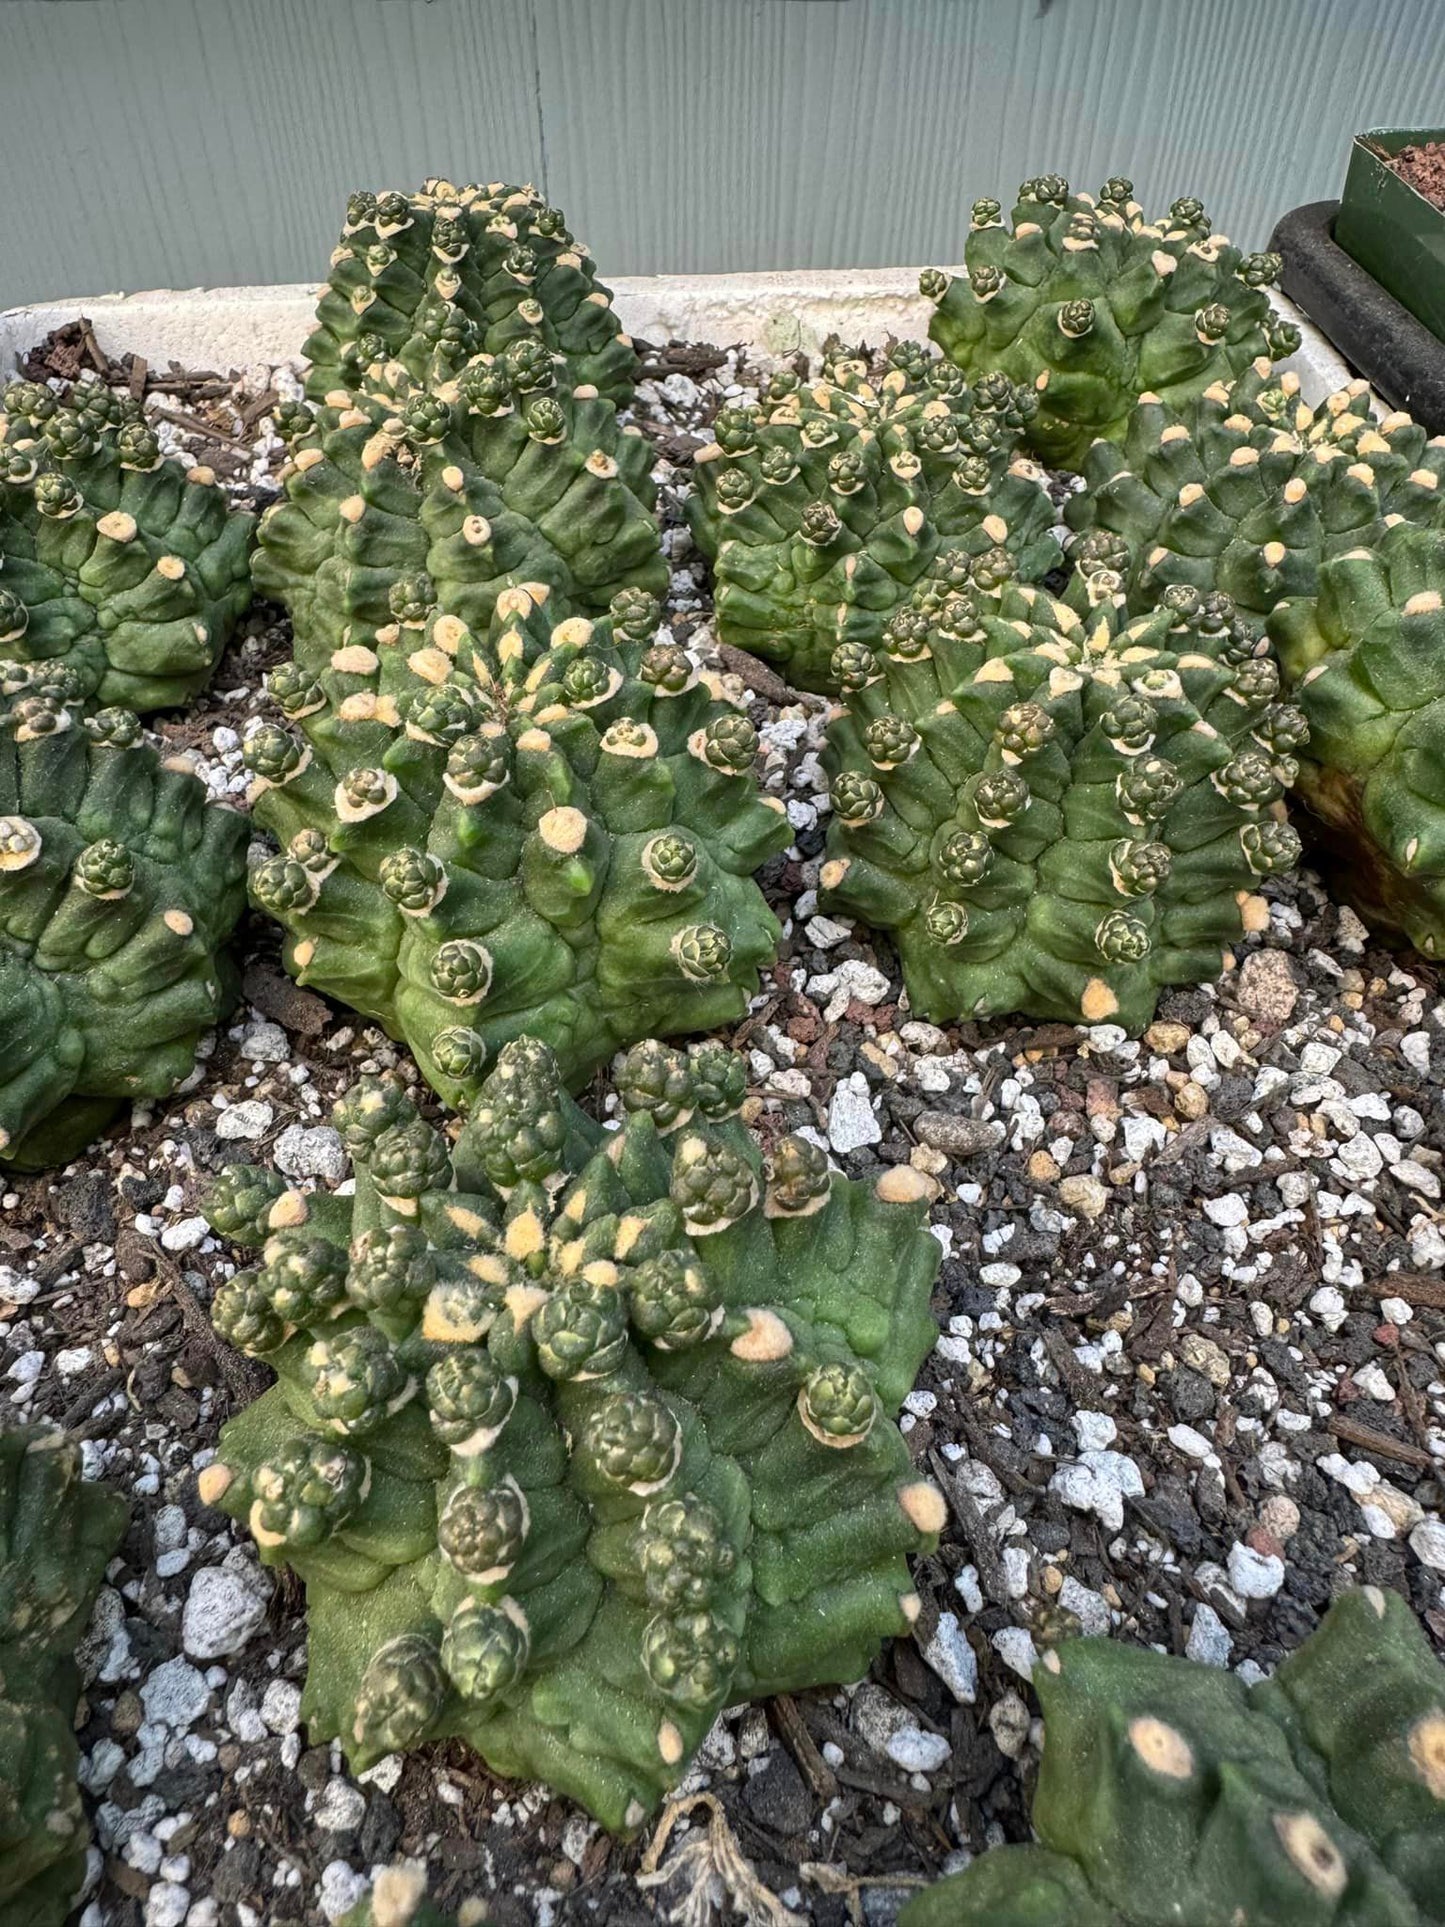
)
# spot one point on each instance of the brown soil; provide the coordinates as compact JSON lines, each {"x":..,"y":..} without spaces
{"x":1424,"y":168}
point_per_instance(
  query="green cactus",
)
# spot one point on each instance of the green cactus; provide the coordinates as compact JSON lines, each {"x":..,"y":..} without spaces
{"x":428,"y":280}
{"x":116,"y":564}
{"x":1248,"y":489}
{"x":1362,"y":660}
{"x":533,"y":825}
{"x":822,"y":507}
{"x":1057,"y":812}
{"x":1092,"y":307}
{"x":119,"y":885}
{"x":1172,"y":1793}
{"x":56,"y":1534}
{"x":599,"y":1438}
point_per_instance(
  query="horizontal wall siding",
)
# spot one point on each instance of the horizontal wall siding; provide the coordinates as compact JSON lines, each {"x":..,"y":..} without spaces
{"x":148,"y":143}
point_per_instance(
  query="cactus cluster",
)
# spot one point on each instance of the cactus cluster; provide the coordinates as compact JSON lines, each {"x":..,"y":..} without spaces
{"x":1248,"y":489}
{"x":432,"y":279}
{"x":116,"y":563}
{"x":1363,"y":661}
{"x":825,"y":504}
{"x":1172,"y":1792}
{"x":119,"y":886}
{"x":579,"y":1435}
{"x":1057,"y":810}
{"x":56,"y":1534}
{"x":1091,"y":306}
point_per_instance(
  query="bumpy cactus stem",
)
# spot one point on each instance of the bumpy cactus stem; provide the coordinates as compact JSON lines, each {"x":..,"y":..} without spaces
{"x":56,"y":1535}
{"x":580,"y":1435}
{"x":822,"y":507}
{"x":1091,"y":306}
{"x":431,"y":279}
{"x":1363,"y":661}
{"x":1174,"y":1793}
{"x":122,"y":567}
{"x":1248,"y":489}
{"x":119,"y":886}
{"x":1057,"y":812}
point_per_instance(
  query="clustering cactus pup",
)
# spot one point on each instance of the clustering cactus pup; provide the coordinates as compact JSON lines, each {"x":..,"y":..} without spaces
{"x":397,"y":500}
{"x":579,"y":1435}
{"x":116,"y":564}
{"x":1363,"y":661}
{"x":56,"y":1534}
{"x":431,"y":279}
{"x":537,"y":825}
{"x":1172,"y":1792}
{"x":824,"y":505}
{"x":1055,"y":810}
{"x":119,"y":887}
{"x":1248,"y":489}
{"x":1091,"y":306}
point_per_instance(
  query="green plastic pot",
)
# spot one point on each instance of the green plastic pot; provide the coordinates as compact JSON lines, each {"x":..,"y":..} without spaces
{"x":1390,"y":228}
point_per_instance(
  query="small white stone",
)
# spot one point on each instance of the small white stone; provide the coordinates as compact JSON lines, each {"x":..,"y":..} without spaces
{"x":167,"y":1905}
{"x":1418,"y":1177}
{"x":1427,"y":1542}
{"x":852,"y":1121}
{"x":1373,"y":1383}
{"x":185,"y":1234}
{"x":1192,"y":1444}
{"x":246,"y":1121}
{"x":281,"y":1706}
{"x":1415,"y":1049}
{"x":825,"y":934}
{"x":916,"y":1751}
{"x":1427,"y":1245}
{"x":1254,"y":1575}
{"x":313,"y":1151}
{"x":953,"y":1659}
{"x":224,"y":1607}
{"x":1228,"y":1210}
{"x":1091,"y":1608}
{"x":265,"y":1044}
{"x":340,"y":1807}
{"x":342,"y":1888}
{"x":1095,"y":1431}
{"x":175,"y":1695}
{"x":1015,"y":1647}
{"x":1210,"y":1642}
{"x":73,"y":1359}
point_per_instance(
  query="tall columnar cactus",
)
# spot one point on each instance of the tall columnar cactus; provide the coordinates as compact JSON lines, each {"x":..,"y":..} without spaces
{"x":116,"y":563}
{"x":1363,"y":661}
{"x":1248,"y":489}
{"x":578,"y":1435}
{"x":1092,"y":307}
{"x":119,"y":886}
{"x":56,"y":1535}
{"x":531,"y":825}
{"x":431,"y":279}
{"x":1057,"y":812}
{"x":824,"y":505}
{"x":1172,"y":1793}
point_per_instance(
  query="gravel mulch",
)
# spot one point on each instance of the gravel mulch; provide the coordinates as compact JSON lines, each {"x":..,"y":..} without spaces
{"x":1189,"y":1383}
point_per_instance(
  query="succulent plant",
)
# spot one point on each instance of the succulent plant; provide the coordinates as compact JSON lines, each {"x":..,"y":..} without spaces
{"x":119,"y":885}
{"x":398,"y":1899}
{"x":821,"y":507}
{"x":56,"y":1534}
{"x":1248,"y":489}
{"x":1362,"y":659}
{"x":597,"y":1437}
{"x":1173,"y":1793}
{"x":1058,"y":810}
{"x":431,"y":279}
{"x":117,"y":564}
{"x":529,"y":824}
{"x":1091,"y":306}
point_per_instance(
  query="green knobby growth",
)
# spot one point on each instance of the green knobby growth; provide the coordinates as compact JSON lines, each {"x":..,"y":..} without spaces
{"x":534,"y":826}
{"x":1092,"y":307}
{"x":1172,"y":1792}
{"x":116,"y":563}
{"x":580,"y":1435}
{"x":119,"y":886}
{"x":56,"y":1534}
{"x":1248,"y":490}
{"x":409,"y":501}
{"x":398,"y":1899}
{"x":1362,"y":659}
{"x":431,"y":279}
{"x":822,"y":507}
{"x":1057,"y":812}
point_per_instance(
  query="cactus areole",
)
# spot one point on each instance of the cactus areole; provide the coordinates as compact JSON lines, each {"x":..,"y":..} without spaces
{"x":579,"y":1435}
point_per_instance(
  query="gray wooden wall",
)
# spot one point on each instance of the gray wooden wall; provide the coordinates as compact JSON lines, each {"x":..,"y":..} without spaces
{"x":146,"y":143}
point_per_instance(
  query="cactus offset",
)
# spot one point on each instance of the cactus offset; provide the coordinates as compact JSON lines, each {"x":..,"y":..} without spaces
{"x":119,"y":885}
{"x":116,"y":563}
{"x":1172,"y":1792}
{"x":1053,"y":812}
{"x":56,"y":1534}
{"x":1248,"y":489}
{"x":822,"y":507}
{"x":1091,"y":306}
{"x":431,"y":279}
{"x":1362,"y":659}
{"x":580,"y":1436}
